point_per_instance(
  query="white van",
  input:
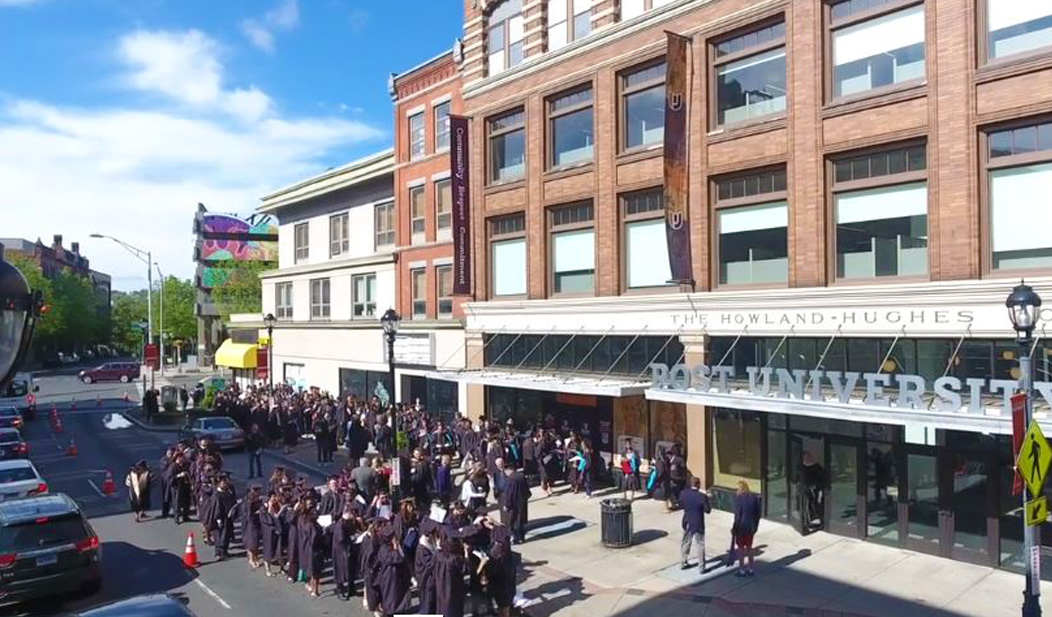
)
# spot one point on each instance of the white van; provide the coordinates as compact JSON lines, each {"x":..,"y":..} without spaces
{"x":21,"y":394}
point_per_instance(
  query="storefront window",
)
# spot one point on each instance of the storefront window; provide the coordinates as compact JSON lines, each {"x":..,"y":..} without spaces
{"x":882,"y":493}
{"x":736,"y":448}
{"x":777,"y":496}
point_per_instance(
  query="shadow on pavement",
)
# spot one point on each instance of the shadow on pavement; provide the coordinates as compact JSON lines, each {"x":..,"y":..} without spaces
{"x":648,"y":535}
{"x":552,"y":527}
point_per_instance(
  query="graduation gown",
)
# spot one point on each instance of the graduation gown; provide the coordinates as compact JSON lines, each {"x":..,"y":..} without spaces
{"x":368,"y":566}
{"x":500,"y":570}
{"x":344,"y":554}
{"x":224,"y":504}
{"x":270,"y":534}
{"x":424,"y":566}
{"x":308,"y":536}
{"x":394,"y":581}
{"x":449,"y":584}
{"x":251,"y":531}
{"x":515,"y":502}
{"x":292,"y":544}
{"x":331,"y":503}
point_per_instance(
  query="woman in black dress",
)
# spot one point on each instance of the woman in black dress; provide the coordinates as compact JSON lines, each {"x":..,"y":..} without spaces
{"x":270,"y":532}
{"x":424,"y":566}
{"x":290,"y":431}
{"x":309,"y":537}
{"x":393,"y":575}
{"x":345,"y":553}
{"x":251,"y":531}
{"x":369,"y":551}
{"x":449,"y":577}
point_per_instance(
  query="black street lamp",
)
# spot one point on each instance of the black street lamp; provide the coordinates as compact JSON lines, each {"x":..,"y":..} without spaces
{"x":19,"y":309}
{"x":390,"y":321}
{"x":1024,"y":306}
{"x":269,"y":322}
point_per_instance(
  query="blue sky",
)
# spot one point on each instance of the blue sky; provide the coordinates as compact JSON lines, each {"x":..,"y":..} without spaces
{"x":120,"y":115}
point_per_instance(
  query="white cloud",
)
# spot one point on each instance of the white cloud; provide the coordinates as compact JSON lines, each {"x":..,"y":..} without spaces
{"x":136,"y":171}
{"x":283,"y":17}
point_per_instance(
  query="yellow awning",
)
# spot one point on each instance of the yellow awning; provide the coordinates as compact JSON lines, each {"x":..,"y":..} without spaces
{"x":236,"y":355}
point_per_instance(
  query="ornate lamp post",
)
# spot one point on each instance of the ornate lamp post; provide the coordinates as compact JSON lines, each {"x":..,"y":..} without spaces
{"x":1023,"y":309}
{"x":269,"y":322}
{"x":19,"y":309}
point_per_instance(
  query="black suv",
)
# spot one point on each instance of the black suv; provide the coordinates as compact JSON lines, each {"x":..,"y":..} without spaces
{"x":46,"y":547}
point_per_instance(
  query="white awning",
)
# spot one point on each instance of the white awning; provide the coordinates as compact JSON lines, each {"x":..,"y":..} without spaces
{"x":526,"y":380}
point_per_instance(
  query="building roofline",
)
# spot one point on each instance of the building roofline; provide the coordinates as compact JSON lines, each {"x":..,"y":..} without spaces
{"x":361,"y":170}
{"x":397,"y":76}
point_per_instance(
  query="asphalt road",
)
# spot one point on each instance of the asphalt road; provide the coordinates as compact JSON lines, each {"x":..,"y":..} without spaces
{"x":147,"y":557}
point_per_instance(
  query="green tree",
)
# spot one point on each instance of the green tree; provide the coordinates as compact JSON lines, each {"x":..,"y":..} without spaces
{"x":180,"y":318}
{"x":129,"y":310}
{"x":242,"y":292}
{"x":49,"y":326}
{"x":74,"y":301}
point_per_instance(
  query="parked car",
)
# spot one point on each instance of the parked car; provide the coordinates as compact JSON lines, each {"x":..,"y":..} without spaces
{"x":19,"y":478}
{"x":223,"y":430}
{"x":10,"y":418}
{"x":157,"y":605}
{"x":21,"y":394}
{"x":46,"y":547}
{"x":111,"y":371}
{"x":12,"y":445}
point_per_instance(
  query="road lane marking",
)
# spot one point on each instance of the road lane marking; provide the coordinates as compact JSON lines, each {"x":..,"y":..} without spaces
{"x":212,"y":594}
{"x":97,"y":489}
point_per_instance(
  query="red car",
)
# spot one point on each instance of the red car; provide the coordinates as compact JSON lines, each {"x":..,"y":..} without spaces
{"x":111,"y":371}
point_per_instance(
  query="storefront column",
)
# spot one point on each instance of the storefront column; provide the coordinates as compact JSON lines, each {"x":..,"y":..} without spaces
{"x":474,"y":359}
{"x":697,"y":415}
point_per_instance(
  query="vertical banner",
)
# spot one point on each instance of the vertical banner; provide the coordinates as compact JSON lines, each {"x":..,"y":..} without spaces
{"x":677,"y":223}
{"x":459,"y":168}
{"x":1018,"y":432}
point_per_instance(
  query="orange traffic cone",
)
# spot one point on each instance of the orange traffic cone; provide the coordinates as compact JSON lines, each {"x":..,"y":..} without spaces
{"x":108,"y":486}
{"x":58,"y":426}
{"x":72,"y":449}
{"x":190,"y":556}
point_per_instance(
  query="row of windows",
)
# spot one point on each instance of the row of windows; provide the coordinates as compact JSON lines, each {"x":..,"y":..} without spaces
{"x":339,"y":233}
{"x":443,"y":196}
{"x":417,"y":133}
{"x":444,"y":295}
{"x":363,"y":298}
{"x":874,"y":45}
{"x":617,"y":355}
{"x":878,"y":203}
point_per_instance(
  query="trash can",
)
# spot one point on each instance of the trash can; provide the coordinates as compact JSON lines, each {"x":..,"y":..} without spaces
{"x":616,"y":522}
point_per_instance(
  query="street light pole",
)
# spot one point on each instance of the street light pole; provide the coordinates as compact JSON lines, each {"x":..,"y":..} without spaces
{"x":145,"y":257}
{"x":161,"y":333}
{"x":1023,"y":306}
{"x":269,"y":321}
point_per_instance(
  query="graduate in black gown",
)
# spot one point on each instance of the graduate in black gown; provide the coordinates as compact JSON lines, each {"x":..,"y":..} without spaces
{"x":369,"y":551}
{"x":292,"y":544}
{"x":424,"y":567}
{"x":224,"y":508}
{"x":393,"y":575}
{"x":270,"y":532}
{"x":179,"y":487}
{"x":345,"y":553}
{"x":515,"y":501}
{"x":449,"y":576}
{"x":309,"y":537}
{"x":251,"y":531}
{"x":500,"y":569}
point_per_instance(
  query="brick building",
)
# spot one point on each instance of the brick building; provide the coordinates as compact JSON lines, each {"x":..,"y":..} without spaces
{"x":55,"y":258}
{"x":860,"y":175}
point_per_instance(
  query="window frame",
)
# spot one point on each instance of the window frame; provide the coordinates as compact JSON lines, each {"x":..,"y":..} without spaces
{"x":505,"y":25}
{"x":443,"y":232}
{"x":413,"y":143}
{"x":553,"y":230}
{"x":324,"y":308}
{"x":296,"y":247}
{"x":715,"y":63}
{"x":442,"y":127}
{"x":988,"y":165}
{"x":414,"y":299}
{"x":982,"y":13}
{"x":624,"y":91}
{"x":829,"y":26}
{"x":568,"y":23}
{"x":741,"y":202}
{"x":834,"y":188}
{"x":551,"y":115}
{"x":416,"y":192}
{"x":341,"y":222}
{"x":440,"y":299}
{"x":388,"y":228}
{"x":495,"y":238}
{"x":627,"y":219}
{"x":492,"y":134}
{"x":283,"y":311}
{"x":365,"y":304}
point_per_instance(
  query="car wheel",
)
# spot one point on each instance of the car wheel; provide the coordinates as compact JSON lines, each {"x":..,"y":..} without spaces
{"x":87,"y":379}
{"x":124,"y":379}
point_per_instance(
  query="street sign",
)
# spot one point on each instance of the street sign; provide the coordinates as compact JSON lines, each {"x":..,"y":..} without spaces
{"x":1037,"y":511}
{"x":1035,"y":569}
{"x":153,"y":356}
{"x":1033,"y":459}
{"x":1018,"y":430}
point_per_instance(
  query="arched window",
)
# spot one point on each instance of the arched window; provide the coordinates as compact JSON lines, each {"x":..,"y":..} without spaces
{"x":505,"y":36}
{"x":568,"y":20}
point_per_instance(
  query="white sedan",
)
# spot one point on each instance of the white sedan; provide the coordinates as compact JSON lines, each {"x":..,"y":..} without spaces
{"x":19,"y":478}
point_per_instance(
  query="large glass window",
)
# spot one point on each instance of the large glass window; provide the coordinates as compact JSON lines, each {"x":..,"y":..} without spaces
{"x":643,"y":106}
{"x":505,"y":40}
{"x":339,"y":234}
{"x":319,"y":299}
{"x":385,"y":232}
{"x":442,"y":126}
{"x":572,"y":248}
{"x":364,"y":300}
{"x":301,"y":242}
{"x":417,"y":213}
{"x":508,"y":255}
{"x":1017,"y":26}
{"x":444,"y":208}
{"x":750,"y":74}
{"x":416,"y":135}
{"x":736,"y":448}
{"x":646,"y":249}
{"x":418,"y":281}
{"x":507,"y":146}
{"x":881,"y":212}
{"x":568,"y":20}
{"x":752,"y":216}
{"x":1019,"y":166}
{"x":444,"y":274}
{"x":874,"y":48}
{"x":283,"y":301}
{"x":571,"y":132}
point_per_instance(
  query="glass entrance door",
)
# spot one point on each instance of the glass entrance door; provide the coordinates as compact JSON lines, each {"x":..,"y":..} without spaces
{"x":921,"y":490}
{"x":801,"y":445}
{"x":844,"y":501}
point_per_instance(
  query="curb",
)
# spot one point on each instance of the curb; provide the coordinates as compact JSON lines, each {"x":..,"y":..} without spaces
{"x":148,"y":427}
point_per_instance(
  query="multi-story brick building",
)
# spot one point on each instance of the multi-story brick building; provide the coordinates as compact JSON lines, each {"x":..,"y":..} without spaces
{"x":862,"y":184}
{"x":56,"y":258}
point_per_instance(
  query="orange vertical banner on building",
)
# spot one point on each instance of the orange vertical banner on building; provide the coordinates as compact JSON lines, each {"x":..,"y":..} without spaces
{"x":677,"y":222}
{"x":460,"y":180}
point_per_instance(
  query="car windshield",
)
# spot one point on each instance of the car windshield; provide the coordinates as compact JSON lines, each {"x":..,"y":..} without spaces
{"x":7,"y":437}
{"x":33,"y":535}
{"x":17,"y":388}
{"x":211,"y":424}
{"x":17,"y":474}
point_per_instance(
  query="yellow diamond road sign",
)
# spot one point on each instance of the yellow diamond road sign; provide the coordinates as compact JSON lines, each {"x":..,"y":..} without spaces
{"x":1033,"y":459}
{"x":1036,"y":511}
